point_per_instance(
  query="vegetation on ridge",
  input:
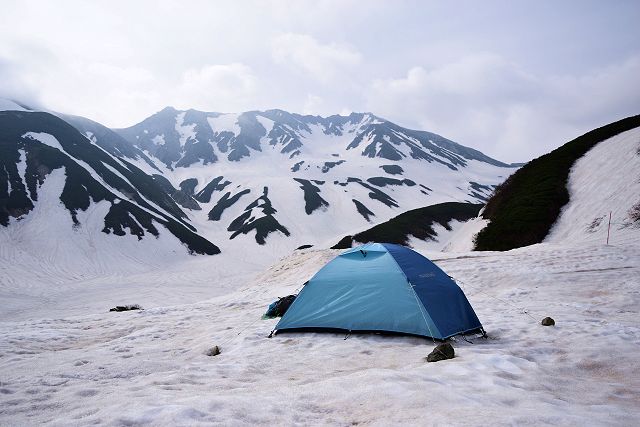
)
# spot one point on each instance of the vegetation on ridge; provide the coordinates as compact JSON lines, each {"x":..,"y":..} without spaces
{"x":417,"y":222}
{"x":525,"y":206}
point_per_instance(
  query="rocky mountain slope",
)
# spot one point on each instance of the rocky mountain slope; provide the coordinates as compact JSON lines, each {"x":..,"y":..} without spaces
{"x":37,"y":145}
{"x":254,"y":185}
{"x":280,"y":179}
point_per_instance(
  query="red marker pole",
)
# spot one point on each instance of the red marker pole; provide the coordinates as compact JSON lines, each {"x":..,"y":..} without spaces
{"x":609,"y":228}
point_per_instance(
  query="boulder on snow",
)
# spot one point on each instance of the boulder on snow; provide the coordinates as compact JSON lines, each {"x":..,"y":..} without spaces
{"x":441,"y":352}
{"x":548,"y":321}
{"x":126,"y":307}
{"x":213,"y":351}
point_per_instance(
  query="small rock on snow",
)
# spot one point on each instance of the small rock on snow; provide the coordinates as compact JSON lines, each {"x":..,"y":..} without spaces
{"x":548,"y":321}
{"x":441,"y":352}
{"x":126,"y":307}
{"x":213,"y":351}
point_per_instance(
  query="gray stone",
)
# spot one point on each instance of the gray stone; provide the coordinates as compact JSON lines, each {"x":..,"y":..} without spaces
{"x":548,"y":321}
{"x":126,"y":307}
{"x":441,"y":352}
{"x":213,"y":351}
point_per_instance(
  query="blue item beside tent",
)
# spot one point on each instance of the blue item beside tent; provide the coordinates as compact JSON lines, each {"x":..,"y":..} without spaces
{"x":280,"y":307}
{"x":382,"y":287}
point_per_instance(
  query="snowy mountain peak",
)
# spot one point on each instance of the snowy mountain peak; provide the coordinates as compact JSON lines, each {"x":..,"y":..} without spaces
{"x":253,"y":185}
{"x":181,"y":138}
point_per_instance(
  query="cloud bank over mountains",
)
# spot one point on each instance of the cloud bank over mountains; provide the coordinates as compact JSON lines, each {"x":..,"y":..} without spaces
{"x":485,"y":75}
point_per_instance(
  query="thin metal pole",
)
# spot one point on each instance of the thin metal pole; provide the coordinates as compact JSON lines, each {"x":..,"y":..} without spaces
{"x":609,"y":228}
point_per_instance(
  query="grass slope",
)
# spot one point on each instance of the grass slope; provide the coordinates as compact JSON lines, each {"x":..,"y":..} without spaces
{"x":417,"y":222}
{"x":524,"y":207}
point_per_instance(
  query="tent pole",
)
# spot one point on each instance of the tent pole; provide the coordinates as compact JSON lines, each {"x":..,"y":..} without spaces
{"x":609,"y":228}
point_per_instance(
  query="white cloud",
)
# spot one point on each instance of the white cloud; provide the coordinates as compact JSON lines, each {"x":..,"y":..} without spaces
{"x":14,"y":86}
{"x":90,"y":88}
{"x":228,"y":87}
{"x":312,"y":105}
{"x":117,"y":63}
{"x":323,"y":61}
{"x":485,"y":101}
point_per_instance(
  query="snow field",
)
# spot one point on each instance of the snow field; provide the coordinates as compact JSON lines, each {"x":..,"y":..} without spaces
{"x":65,"y":360}
{"x":149,"y":367}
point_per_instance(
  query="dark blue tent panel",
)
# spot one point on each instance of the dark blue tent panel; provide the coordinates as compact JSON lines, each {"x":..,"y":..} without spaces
{"x":382,"y":287}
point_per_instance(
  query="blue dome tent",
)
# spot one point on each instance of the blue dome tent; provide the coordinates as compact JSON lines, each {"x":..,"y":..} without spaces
{"x":382,"y":287}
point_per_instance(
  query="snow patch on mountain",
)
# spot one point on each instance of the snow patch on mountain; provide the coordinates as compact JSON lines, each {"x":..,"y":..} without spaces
{"x":186,"y":132}
{"x":224,"y":123}
{"x":442,"y":238}
{"x":462,"y":240}
{"x":158,"y":140}
{"x":606,"y":179}
{"x":45,"y":139}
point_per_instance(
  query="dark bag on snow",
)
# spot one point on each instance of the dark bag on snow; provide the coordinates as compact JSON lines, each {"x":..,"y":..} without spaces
{"x":280,"y":307}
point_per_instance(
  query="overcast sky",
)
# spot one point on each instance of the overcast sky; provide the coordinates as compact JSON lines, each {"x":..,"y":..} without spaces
{"x":513,"y":79}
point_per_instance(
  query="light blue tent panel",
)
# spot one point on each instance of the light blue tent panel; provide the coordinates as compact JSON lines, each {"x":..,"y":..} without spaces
{"x":368,"y":289}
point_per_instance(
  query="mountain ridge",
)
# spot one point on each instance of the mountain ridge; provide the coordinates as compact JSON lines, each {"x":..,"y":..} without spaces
{"x":254,"y":185}
{"x":524,"y":207}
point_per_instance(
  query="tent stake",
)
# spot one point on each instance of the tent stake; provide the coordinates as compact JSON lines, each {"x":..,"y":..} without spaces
{"x":609,"y":228}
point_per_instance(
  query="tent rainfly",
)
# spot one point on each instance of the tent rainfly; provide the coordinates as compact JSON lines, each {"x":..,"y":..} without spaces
{"x":385,"y":288}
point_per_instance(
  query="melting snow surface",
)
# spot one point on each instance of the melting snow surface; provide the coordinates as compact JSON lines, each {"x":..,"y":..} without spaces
{"x":66,"y":360}
{"x":89,"y":366}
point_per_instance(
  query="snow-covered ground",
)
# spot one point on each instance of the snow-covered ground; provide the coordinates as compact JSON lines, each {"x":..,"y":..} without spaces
{"x":150,"y":367}
{"x":65,"y":360}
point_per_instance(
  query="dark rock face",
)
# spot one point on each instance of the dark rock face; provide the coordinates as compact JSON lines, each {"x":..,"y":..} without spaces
{"x":379,"y":195}
{"x":250,"y":133}
{"x":189,"y":185}
{"x":312,"y":198}
{"x":479,"y":191}
{"x":126,"y":307}
{"x":392,"y":169}
{"x":225,"y":202}
{"x":386,"y":151}
{"x":329,"y":165}
{"x":383,"y":181}
{"x":362,"y":209}
{"x":197,"y":148}
{"x":443,"y":351}
{"x":258,"y":216}
{"x":296,"y":167}
{"x":183,"y":197}
{"x":216,"y":184}
{"x":548,"y":321}
{"x":374,"y":193}
{"x":92,"y":175}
